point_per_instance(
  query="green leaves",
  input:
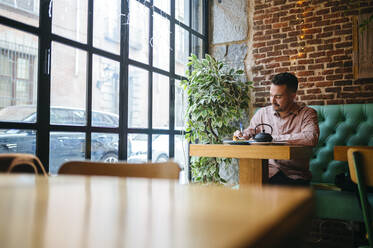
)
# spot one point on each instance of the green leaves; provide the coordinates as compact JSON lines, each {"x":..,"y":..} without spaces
{"x":217,"y":97}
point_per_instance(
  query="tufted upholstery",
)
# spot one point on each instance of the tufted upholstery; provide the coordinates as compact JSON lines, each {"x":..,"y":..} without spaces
{"x":350,"y":124}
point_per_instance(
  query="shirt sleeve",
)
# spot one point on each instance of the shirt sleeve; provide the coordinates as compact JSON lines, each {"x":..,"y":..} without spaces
{"x":255,"y":120}
{"x":309,"y":135}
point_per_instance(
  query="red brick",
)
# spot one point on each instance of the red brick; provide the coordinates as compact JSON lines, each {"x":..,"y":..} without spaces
{"x":330,"y":16}
{"x":334,"y":102}
{"x":259,"y":56}
{"x":306,"y":73}
{"x":332,"y":40}
{"x":265,"y":49}
{"x":281,"y":47}
{"x":342,"y":82}
{"x":313,"y":19}
{"x":339,"y":58}
{"x":290,"y":52}
{"x":315,"y":67}
{"x":259,"y":89}
{"x":343,"y":44}
{"x":266,"y":72}
{"x":324,"y":35}
{"x":339,"y":20}
{"x":331,"y":28}
{"x":334,"y":52}
{"x":271,"y":66}
{"x":257,"y":79}
{"x":260,"y":38}
{"x":328,"y":72}
{"x":285,"y":63}
{"x":262,"y":6}
{"x":333,"y":89}
{"x":342,"y":32}
{"x":306,"y":85}
{"x":287,"y":6}
{"x":343,"y":70}
{"x":282,"y":58}
{"x":271,"y":21}
{"x":275,"y":53}
{"x":258,"y":33}
{"x":288,"y":18}
{"x":351,"y":88}
{"x":279,"y":36}
{"x":273,"y":42}
{"x":272,"y":31}
{"x":323,"y":12}
{"x":315,"y":103}
{"x":347,"y":25}
{"x":280,"y":25}
{"x":288,"y":40}
{"x":323,"y":60}
{"x":314,"y":42}
{"x":313,"y":91}
{"x":321,"y":23}
{"x":259,"y":22}
{"x":317,"y":54}
{"x":334,"y":77}
{"x":279,"y":14}
{"x":279,"y":2}
{"x":297,"y":68}
{"x":325,"y":47}
{"x":259,"y":44}
{"x":325,"y":96}
{"x":313,"y":79}
{"x":308,"y":97}
{"x":294,"y":33}
{"x":280,"y":70}
{"x":324,"y":84}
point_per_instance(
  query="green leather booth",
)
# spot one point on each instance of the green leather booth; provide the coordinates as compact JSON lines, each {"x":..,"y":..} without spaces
{"x":340,"y":125}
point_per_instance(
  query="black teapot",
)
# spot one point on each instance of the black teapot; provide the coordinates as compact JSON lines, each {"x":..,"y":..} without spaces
{"x":263,"y":136}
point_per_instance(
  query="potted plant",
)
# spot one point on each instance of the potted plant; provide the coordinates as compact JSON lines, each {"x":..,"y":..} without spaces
{"x":218,"y":99}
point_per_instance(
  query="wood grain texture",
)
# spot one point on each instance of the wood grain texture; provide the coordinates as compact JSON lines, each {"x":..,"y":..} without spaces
{"x":81,"y":211}
{"x":340,"y":152}
{"x":253,"y":171}
{"x":251,"y":151}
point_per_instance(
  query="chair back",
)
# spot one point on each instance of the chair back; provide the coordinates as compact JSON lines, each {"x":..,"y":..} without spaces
{"x":21,"y":163}
{"x":365,"y":159}
{"x":167,"y":170}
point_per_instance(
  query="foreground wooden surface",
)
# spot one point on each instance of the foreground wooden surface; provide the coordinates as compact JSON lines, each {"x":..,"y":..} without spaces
{"x":340,"y":152}
{"x":76,"y":211}
{"x":253,"y":159}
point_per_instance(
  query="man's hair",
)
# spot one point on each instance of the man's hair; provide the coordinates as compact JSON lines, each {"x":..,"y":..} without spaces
{"x":287,"y":79}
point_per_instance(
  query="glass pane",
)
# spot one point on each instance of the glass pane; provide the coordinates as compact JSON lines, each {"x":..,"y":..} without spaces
{"x":68,"y":85}
{"x":137,"y":148}
{"x":161,"y":102}
{"x":197,"y":46}
{"x":26,"y":11}
{"x":105,"y":92}
{"x":159,"y":148}
{"x":104,"y":147}
{"x":70,"y":146}
{"x":181,"y":50}
{"x":161,"y":42}
{"x":182,"y":11}
{"x":18,"y":75}
{"x":106,"y":25}
{"x":137,"y":97}
{"x":163,"y":5}
{"x":197,"y":15}
{"x":181,"y":151}
{"x":139,"y":32}
{"x":180,"y":105}
{"x":69,"y":19}
{"x":17,"y":141}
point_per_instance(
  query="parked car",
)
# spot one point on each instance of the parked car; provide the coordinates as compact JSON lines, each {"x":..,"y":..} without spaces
{"x":66,"y":146}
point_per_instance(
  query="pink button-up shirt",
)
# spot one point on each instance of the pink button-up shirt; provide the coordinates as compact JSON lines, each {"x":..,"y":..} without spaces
{"x":299,"y":126}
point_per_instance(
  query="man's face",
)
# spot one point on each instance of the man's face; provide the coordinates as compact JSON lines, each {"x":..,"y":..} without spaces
{"x":281,"y":98}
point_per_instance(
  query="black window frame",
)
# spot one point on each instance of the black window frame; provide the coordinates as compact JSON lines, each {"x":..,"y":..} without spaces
{"x":46,"y":37}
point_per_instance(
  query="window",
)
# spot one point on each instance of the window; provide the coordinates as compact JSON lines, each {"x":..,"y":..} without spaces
{"x":109,"y":86}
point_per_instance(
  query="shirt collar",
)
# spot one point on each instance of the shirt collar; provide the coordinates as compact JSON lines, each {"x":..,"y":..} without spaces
{"x":294,"y":110}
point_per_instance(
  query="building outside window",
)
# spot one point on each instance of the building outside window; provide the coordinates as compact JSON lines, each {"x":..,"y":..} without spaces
{"x":113,"y":77}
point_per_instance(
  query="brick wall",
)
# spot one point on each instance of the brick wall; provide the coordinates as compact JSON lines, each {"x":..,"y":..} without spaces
{"x":314,"y":40}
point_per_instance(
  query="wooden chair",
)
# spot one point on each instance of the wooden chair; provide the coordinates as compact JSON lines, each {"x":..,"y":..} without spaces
{"x":360,"y":163}
{"x":169,"y":170}
{"x":21,"y":163}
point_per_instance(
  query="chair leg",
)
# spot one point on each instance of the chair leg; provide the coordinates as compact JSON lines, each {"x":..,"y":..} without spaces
{"x":365,"y":207}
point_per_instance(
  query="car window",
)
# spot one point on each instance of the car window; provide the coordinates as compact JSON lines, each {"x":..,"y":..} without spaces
{"x":104,"y":120}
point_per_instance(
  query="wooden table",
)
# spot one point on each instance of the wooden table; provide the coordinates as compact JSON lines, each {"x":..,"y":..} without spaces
{"x":253,"y":159}
{"x":79,"y":211}
{"x":340,"y":152}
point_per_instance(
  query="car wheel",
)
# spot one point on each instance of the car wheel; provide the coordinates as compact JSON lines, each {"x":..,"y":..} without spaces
{"x":110,"y":158}
{"x":162,"y":158}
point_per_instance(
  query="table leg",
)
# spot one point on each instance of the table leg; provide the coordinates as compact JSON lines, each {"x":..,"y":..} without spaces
{"x":253,"y":171}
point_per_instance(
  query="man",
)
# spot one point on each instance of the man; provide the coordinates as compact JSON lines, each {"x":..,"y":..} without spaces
{"x":291,"y":122}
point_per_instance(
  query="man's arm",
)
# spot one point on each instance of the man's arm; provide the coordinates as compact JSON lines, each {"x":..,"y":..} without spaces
{"x":310,"y":131}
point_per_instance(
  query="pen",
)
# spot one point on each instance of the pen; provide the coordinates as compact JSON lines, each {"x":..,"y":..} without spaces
{"x":241,"y":127}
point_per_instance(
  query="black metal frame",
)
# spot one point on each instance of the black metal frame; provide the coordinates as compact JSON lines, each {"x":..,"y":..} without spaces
{"x":46,"y":37}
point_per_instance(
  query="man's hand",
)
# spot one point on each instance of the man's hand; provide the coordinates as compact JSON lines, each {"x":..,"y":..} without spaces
{"x":244,"y":135}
